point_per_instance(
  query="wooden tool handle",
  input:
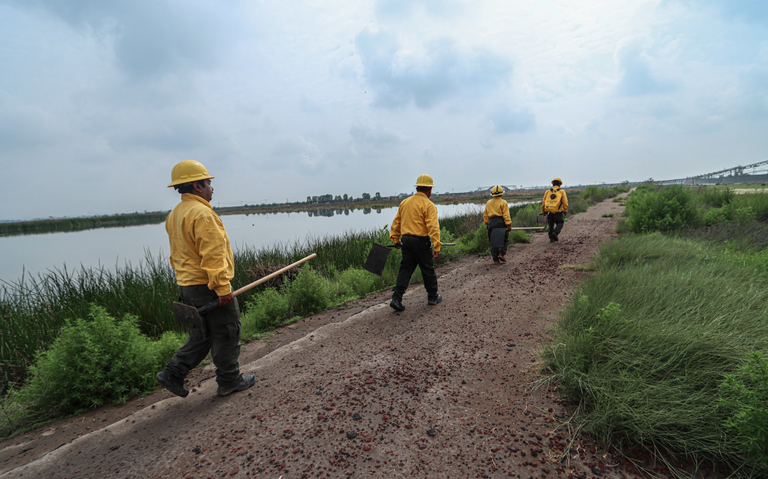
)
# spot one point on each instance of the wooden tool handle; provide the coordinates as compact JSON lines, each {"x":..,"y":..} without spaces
{"x":272,"y":275}
{"x":245,"y":288}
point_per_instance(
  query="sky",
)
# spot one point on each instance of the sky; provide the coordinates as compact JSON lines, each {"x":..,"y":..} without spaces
{"x":284,"y":99}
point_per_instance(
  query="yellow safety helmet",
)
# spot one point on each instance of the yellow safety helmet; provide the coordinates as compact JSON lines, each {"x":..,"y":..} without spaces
{"x":188,"y":171}
{"x":424,"y":180}
{"x":557,"y":180}
{"x":497,"y":190}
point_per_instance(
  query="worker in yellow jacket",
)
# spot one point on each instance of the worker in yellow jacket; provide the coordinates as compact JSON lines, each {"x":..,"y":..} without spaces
{"x":416,"y":232}
{"x":496,"y":217}
{"x":555,"y":206}
{"x":202,"y":258}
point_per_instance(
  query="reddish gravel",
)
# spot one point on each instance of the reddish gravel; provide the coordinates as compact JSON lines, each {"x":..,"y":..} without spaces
{"x":362,"y":391}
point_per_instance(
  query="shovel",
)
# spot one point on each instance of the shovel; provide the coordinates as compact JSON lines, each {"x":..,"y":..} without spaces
{"x":377,"y":258}
{"x":187,"y":315}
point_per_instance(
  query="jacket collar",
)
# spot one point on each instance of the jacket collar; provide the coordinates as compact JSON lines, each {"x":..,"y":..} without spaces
{"x":193,"y":197}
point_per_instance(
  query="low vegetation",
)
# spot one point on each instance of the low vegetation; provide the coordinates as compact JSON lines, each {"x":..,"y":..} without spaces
{"x":666,"y":345}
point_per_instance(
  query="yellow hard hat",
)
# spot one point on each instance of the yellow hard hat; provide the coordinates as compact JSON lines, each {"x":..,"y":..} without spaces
{"x":497,"y":190}
{"x":187,"y":171}
{"x":424,"y":180}
{"x":557,"y":180}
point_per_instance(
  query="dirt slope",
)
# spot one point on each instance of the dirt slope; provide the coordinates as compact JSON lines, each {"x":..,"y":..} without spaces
{"x":362,"y":391}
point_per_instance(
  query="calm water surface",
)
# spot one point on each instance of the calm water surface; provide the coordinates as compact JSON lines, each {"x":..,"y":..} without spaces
{"x":113,"y":247}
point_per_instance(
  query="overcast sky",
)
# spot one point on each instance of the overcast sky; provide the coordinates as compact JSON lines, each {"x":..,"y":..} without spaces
{"x":286,"y":99}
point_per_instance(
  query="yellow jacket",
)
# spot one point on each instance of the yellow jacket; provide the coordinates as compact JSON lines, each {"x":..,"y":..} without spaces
{"x":416,"y":216}
{"x":557,"y":204}
{"x":200,"y":250}
{"x":497,"y":207}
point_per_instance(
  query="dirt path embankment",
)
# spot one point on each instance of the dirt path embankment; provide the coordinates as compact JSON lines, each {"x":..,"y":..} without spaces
{"x":434,"y":391}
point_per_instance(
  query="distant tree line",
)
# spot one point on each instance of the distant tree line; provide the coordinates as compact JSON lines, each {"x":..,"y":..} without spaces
{"x":64,"y":225}
{"x":322,"y":199}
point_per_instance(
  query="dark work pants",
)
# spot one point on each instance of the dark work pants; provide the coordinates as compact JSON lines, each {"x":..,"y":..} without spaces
{"x":417,"y":251}
{"x":223,"y":341}
{"x":493,"y":223}
{"x":555,"y":224}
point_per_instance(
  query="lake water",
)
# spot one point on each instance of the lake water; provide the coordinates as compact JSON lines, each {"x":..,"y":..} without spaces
{"x":113,"y":247}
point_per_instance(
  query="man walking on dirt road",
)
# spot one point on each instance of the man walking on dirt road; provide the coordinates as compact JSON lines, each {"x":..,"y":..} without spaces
{"x":202,"y":259}
{"x":416,"y":232}
{"x":496,"y":217}
{"x":555,"y":206}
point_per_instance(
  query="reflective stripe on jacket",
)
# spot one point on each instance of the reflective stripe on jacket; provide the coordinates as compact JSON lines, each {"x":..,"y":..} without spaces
{"x":557,"y":204}
{"x":497,"y":207}
{"x":200,"y":250}
{"x":416,"y":216}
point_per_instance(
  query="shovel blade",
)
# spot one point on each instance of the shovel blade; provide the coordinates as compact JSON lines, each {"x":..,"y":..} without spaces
{"x":189,"y":317}
{"x":497,"y":237}
{"x":377,"y":258}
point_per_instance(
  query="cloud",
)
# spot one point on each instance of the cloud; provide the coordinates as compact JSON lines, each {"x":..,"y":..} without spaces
{"x":375,"y":136}
{"x":637,"y":76}
{"x":305,"y":156}
{"x":441,"y":72}
{"x":750,"y":11}
{"x":149,"y":38}
{"x":395,"y":9}
{"x":505,"y":120}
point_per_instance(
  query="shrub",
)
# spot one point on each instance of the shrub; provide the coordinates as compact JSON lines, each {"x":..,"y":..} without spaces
{"x":165,"y":347}
{"x":359,"y":281}
{"x":746,"y":394}
{"x":716,"y":197}
{"x":308,"y":293}
{"x":665,"y":210}
{"x":266,"y":310}
{"x":91,"y":363}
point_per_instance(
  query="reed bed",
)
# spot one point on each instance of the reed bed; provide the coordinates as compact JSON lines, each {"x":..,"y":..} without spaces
{"x":646,"y":346}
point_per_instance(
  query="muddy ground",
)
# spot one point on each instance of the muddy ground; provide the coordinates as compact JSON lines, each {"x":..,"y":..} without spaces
{"x":363,"y":391}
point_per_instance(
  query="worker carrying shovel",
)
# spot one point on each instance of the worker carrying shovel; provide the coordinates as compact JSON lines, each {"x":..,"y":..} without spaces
{"x":202,"y":258}
{"x":555,"y":206}
{"x":416,"y":232}
{"x":499,"y":224}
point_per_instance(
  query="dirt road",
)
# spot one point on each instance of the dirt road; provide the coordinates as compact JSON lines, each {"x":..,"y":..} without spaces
{"x":362,"y":391}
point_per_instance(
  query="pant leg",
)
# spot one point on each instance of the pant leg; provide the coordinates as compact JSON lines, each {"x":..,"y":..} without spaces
{"x":493,"y":223}
{"x":408,"y":265}
{"x":551,"y":225}
{"x":225,"y":328}
{"x":196,"y":348}
{"x":559,"y":221}
{"x":423,"y":252}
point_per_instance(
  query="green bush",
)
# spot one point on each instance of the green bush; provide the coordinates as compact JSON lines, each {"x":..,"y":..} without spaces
{"x":308,"y":293}
{"x":475,"y":241}
{"x":165,"y":347}
{"x":266,"y":310}
{"x":746,"y":394}
{"x":667,"y":210}
{"x":359,"y":281}
{"x":91,"y":363}
{"x":715,"y":197}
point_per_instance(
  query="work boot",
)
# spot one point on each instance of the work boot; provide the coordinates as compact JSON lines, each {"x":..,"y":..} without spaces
{"x":496,"y":261}
{"x":397,"y":305}
{"x":502,"y":258}
{"x":435,"y":300}
{"x":241,"y":385}
{"x":172,"y":383}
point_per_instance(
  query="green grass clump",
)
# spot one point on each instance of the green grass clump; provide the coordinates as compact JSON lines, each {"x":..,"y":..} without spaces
{"x":645,"y":346}
{"x":745,"y":392}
